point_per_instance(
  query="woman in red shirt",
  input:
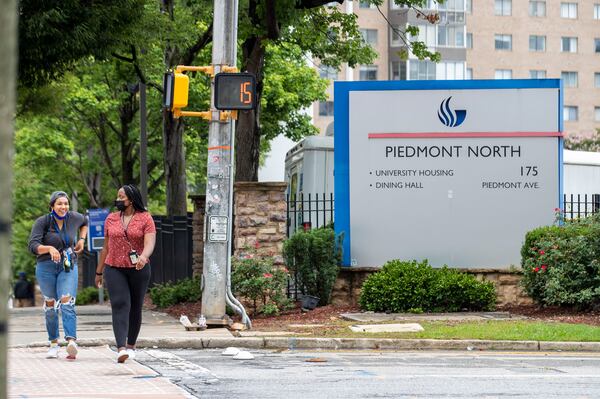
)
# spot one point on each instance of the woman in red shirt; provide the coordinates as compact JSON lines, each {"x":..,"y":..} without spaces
{"x":129,"y":238}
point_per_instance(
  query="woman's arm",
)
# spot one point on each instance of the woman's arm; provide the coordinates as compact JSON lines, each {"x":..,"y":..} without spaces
{"x":81,"y":241}
{"x":35,"y":241}
{"x":149,"y":243}
{"x":100,"y":266}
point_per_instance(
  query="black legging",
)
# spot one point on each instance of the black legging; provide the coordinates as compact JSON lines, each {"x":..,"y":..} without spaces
{"x":126,"y":290}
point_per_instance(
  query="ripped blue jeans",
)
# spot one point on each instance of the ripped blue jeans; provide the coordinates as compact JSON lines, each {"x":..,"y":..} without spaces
{"x":55,"y":285}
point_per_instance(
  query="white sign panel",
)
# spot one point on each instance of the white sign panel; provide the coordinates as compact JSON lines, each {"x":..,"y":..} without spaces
{"x":456,"y":176}
{"x":217,"y":228}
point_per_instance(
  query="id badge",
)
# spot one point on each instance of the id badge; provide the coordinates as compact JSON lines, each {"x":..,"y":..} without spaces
{"x":67,"y":261}
{"x":133,"y":257}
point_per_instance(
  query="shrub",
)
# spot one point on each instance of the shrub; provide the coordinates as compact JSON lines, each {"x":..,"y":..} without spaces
{"x":89,"y":295}
{"x":258,"y":281}
{"x":402,"y":286}
{"x":314,"y":257}
{"x":561,"y":264}
{"x":167,"y":294}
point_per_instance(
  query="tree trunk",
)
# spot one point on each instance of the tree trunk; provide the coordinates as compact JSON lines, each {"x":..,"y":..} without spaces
{"x":8,"y":65}
{"x":247,"y":134}
{"x":173,"y":130}
{"x":174,"y":157}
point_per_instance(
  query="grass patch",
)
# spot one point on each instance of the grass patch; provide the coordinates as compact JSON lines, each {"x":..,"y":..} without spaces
{"x":489,"y":330}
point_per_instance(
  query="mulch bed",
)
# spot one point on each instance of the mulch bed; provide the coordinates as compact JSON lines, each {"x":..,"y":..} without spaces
{"x":329,"y":314}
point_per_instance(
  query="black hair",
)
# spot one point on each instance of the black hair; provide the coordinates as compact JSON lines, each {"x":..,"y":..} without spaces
{"x":134,"y":195}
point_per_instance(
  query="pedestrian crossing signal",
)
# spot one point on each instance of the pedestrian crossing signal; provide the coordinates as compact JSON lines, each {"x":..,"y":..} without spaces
{"x":175,"y":90}
{"x":235,"y":91}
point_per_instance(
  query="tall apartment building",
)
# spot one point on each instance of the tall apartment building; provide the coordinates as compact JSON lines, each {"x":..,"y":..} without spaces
{"x":488,"y":39}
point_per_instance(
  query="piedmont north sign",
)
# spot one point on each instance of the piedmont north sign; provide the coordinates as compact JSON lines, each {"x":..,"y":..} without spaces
{"x":455,"y":172}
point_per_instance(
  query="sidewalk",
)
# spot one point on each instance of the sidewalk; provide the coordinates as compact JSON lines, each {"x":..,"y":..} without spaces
{"x":95,"y":373}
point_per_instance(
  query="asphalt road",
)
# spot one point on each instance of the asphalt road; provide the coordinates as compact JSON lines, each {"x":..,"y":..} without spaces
{"x":370,"y":374}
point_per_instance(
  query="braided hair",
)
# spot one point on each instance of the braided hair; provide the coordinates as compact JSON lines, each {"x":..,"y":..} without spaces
{"x":134,"y":195}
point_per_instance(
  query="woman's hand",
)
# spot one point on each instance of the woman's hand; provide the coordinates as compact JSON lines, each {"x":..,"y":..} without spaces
{"x":54,"y":255}
{"x":142,"y":260}
{"x":79,"y":247}
{"x":98,"y":281}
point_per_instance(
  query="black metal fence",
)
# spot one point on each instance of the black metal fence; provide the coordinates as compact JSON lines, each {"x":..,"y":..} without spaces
{"x":578,"y":206}
{"x":172,"y":257}
{"x":310,"y":211}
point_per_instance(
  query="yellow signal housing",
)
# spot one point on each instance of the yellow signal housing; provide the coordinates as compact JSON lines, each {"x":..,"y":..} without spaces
{"x":181,"y":88}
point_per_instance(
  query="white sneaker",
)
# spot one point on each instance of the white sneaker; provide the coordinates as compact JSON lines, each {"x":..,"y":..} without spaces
{"x":131,"y":353}
{"x":52,"y":352}
{"x":72,"y":350}
{"x":122,"y":356}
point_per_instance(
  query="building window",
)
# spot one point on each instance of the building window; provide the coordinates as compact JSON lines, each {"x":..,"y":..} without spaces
{"x":570,"y":113}
{"x":365,"y":4}
{"x":568,"y":10}
{"x":597,"y":80}
{"x":469,"y":40}
{"x":568,"y":44}
{"x":537,"y":74}
{"x":503,"y":74}
{"x":469,"y":74}
{"x":422,"y":70}
{"x":395,"y":6}
{"x":426,"y":35}
{"x":396,"y":39}
{"x":537,"y":43}
{"x":455,"y":5}
{"x":597,"y":45}
{"x":597,"y":114}
{"x":368,"y":72}
{"x":450,"y":71}
{"x":451,"y":36}
{"x":537,"y":8}
{"x":325,"y":108}
{"x":398,"y":70}
{"x":328,"y":72}
{"x":503,"y":7}
{"x":569,"y":78}
{"x":503,"y":42}
{"x":469,"y":7}
{"x":370,"y":36}
{"x":596,"y":11}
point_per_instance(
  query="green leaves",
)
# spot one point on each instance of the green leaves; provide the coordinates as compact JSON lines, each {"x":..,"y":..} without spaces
{"x":561,"y":265}
{"x":402,"y":286}
{"x":313,"y":257}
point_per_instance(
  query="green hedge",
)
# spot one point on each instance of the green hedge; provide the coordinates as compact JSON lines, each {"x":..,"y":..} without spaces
{"x":89,"y":295}
{"x":313,"y":257}
{"x":561,"y":264}
{"x":167,"y":294}
{"x":402,"y":286}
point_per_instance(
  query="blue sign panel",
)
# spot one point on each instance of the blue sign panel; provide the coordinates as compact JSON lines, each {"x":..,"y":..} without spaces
{"x":96,"y":218}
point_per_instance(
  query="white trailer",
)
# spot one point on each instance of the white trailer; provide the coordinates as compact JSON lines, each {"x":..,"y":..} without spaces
{"x":581,"y":183}
{"x":309,"y":175}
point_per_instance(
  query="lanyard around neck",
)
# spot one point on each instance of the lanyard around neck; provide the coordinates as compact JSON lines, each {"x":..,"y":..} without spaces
{"x":126,"y":227}
{"x":62,"y":233}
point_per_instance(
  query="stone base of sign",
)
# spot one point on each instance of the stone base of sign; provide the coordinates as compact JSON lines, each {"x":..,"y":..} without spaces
{"x":346,"y":290}
{"x":259,"y":219}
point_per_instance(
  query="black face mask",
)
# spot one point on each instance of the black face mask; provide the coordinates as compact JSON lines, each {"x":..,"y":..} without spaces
{"x":120,"y":205}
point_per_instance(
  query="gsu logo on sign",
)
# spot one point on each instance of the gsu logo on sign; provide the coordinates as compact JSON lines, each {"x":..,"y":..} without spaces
{"x":449,"y":117}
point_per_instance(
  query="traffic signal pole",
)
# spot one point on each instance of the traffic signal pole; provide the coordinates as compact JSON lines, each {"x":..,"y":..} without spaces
{"x":217,"y":243}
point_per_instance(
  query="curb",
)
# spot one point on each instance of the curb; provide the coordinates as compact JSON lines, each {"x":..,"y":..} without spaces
{"x":293,"y":343}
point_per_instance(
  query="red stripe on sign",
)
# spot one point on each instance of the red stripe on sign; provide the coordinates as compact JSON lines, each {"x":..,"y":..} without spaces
{"x":465,"y":134}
